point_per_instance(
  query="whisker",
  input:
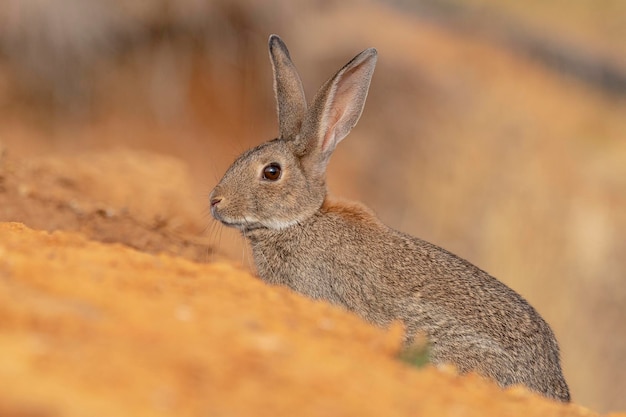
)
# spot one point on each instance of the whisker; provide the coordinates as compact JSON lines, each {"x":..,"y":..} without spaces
{"x":220,"y":230}
{"x":214,"y":229}
{"x":250,"y":259}
{"x":243,"y":247}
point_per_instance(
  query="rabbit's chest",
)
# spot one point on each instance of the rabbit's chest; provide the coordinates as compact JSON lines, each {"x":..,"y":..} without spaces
{"x":304,"y":267}
{"x":328,"y":266}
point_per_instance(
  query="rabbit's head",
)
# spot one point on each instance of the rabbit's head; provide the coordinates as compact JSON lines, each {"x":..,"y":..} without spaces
{"x":282,"y":182}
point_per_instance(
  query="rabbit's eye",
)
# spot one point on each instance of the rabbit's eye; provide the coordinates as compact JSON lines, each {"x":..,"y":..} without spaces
{"x":271,"y":172}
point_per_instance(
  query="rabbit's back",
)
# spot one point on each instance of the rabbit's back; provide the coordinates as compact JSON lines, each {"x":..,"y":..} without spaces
{"x":345,"y":255}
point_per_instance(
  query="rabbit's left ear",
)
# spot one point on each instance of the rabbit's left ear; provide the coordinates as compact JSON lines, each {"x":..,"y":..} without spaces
{"x":288,"y":90}
{"x":337,"y":108}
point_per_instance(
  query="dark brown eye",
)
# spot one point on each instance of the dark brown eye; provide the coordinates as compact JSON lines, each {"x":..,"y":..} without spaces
{"x":271,"y":172}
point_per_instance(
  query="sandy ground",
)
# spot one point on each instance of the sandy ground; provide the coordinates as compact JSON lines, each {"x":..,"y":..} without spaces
{"x":106,"y":330}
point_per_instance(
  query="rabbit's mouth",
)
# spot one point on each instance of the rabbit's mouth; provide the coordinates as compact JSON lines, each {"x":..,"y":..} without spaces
{"x":247,"y":224}
{"x":244,"y":225}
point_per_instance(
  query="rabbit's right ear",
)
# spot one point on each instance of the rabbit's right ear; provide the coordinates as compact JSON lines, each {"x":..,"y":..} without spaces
{"x":288,"y":90}
{"x":335,"y":110}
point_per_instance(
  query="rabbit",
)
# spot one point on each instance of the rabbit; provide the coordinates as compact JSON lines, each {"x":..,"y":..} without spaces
{"x":339,"y":251}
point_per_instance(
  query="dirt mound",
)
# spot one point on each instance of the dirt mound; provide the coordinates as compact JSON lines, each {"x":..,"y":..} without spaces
{"x":135,"y":198}
{"x":96,"y":329}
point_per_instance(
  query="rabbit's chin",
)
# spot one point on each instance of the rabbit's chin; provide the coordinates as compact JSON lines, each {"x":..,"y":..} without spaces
{"x":249,"y":224}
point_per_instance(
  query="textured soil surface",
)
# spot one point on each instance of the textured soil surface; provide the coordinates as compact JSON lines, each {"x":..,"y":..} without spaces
{"x":92,"y":329}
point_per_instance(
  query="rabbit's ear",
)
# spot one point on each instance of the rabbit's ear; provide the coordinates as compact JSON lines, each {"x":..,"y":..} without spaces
{"x":337,"y":108}
{"x":287,"y":89}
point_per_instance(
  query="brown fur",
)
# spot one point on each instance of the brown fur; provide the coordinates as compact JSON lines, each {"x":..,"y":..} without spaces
{"x":340,"y":252}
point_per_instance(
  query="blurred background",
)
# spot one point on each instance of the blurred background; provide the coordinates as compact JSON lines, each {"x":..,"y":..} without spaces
{"x":496,"y":129}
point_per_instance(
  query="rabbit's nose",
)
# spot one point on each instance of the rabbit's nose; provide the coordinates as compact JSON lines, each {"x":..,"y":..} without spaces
{"x":215,"y":201}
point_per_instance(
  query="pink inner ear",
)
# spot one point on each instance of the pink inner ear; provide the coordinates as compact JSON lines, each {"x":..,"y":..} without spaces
{"x":341,"y":111}
{"x":340,"y":103}
{"x":330,"y":135}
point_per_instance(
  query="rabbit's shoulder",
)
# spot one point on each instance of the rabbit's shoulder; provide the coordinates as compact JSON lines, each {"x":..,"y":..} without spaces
{"x":349,"y":212}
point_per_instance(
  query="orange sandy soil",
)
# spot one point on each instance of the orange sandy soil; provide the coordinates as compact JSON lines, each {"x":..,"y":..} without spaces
{"x":93,"y":329}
